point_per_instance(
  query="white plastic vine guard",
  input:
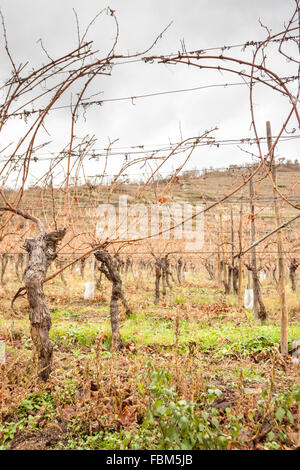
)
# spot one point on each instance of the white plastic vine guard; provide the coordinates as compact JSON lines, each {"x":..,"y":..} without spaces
{"x":248,"y":299}
{"x":89,"y":290}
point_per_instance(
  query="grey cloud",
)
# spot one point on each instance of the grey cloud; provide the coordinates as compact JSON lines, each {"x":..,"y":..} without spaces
{"x":201,"y":23}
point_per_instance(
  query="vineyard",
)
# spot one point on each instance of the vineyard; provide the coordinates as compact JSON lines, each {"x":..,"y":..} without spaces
{"x":148,"y":302}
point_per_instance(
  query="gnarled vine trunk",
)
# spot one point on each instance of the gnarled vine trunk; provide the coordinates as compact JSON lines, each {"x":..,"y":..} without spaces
{"x":293,"y":268}
{"x":109,"y":267}
{"x":259,"y":306}
{"x":4,"y":263}
{"x":178,"y":270}
{"x":59,"y":264}
{"x":157,"y":280}
{"x":19,"y":265}
{"x":235,"y":279}
{"x":41,"y":251}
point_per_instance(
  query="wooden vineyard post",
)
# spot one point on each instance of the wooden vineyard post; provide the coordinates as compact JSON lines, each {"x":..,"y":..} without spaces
{"x":232,"y":250}
{"x":234,"y":268}
{"x":219,"y":275}
{"x":259,"y":308}
{"x":253,"y":250}
{"x":281,"y":282}
{"x":223,"y":264}
{"x":240,"y":259}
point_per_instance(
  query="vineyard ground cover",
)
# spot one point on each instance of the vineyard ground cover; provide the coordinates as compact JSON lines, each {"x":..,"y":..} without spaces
{"x":192,"y":357}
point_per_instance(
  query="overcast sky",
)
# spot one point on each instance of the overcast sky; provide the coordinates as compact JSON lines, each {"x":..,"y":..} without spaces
{"x":159,"y":119}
